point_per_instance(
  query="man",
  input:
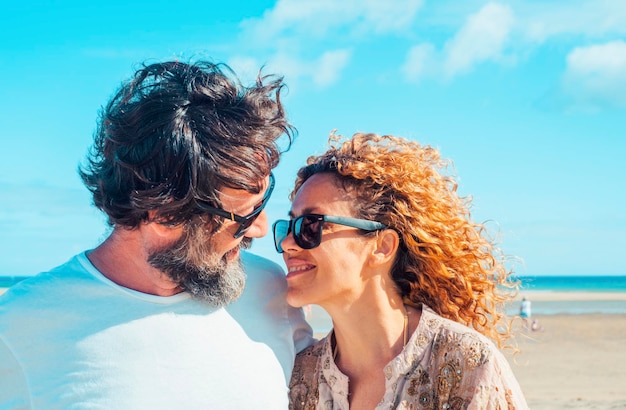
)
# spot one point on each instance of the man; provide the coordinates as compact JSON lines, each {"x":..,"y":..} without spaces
{"x":525,"y":312}
{"x":157,"y":316}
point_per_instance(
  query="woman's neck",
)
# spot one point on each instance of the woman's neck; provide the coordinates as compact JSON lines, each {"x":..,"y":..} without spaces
{"x":370,"y":333}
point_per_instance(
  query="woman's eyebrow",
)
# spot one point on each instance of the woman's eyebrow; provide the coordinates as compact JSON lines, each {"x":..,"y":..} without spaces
{"x":308,"y":210}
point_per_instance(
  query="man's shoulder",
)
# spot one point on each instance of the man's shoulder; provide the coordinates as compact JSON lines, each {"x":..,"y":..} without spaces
{"x":40,"y":298}
{"x":35,"y":290}
{"x":249,"y":258}
{"x":265,"y":281}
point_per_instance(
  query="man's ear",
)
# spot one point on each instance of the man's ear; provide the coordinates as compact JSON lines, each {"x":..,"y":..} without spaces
{"x":387,"y":243}
{"x":161,"y":230}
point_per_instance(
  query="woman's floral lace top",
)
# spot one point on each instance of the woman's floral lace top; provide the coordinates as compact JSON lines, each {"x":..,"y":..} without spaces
{"x":445,"y":365}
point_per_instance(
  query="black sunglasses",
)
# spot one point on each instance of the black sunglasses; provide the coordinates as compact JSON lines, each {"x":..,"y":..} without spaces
{"x":307,"y":229}
{"x":245,"y":222}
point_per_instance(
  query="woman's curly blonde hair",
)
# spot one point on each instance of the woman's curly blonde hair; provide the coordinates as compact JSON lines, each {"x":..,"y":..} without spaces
{"x":445,"y":260}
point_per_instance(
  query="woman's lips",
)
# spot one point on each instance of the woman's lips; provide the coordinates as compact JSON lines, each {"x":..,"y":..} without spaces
{"x":293,"y":270}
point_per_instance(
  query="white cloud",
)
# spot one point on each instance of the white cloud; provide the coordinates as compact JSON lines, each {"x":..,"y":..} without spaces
{"x":607,"y":60}
{"x":327,"y":69}
{"x":297,"y":33}
{"x":309,"y":39}
{"x":322,"y":71}
{"x":482,"y":37}
{"x":542,"y":21}
{"x":385,"y":16}
{"x":596,"y":75}
{"x":289,"y":66}
{"x":320,"y":17}
{"x":421,"y":61}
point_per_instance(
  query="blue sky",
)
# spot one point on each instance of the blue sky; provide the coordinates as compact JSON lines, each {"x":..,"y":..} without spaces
{"x":528,"y":98}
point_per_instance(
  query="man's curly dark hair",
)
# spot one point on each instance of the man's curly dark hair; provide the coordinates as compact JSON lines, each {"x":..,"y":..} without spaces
{"x":176,"y":133}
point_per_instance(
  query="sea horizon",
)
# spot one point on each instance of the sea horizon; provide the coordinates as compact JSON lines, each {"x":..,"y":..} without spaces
{"x":561,"y":283}
{"x":567,"y":283}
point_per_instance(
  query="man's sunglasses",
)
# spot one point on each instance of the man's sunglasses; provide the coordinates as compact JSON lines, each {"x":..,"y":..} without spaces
{"x":307,"y":229}
{"x":245,"y":222}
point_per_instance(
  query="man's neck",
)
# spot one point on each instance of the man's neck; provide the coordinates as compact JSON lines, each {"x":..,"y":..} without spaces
{"x":123,"y":258}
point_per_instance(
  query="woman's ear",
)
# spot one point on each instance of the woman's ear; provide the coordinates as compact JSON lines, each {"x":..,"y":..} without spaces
{"x":387,"y":243}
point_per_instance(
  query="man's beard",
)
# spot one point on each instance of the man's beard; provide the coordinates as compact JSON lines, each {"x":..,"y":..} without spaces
{"x":193,"y":264}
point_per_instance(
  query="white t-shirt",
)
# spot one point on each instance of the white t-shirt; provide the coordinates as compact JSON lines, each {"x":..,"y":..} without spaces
{"x":71,"y":338}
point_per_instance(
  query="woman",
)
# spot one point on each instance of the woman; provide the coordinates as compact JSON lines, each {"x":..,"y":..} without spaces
{"x":380,"y":239}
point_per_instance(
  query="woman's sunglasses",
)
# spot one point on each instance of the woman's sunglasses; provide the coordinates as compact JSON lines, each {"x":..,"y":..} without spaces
{"x":307,"y":229}
{"x":245,"y":222}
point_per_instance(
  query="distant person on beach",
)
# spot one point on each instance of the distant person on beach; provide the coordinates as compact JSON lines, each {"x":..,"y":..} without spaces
{"x":525,"y":311}
{"x":168,"y":312}
{"x":380,"y":239}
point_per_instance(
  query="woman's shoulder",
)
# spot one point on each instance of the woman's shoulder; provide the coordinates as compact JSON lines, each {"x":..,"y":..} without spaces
{"x":462,"y":366}
{"x":453,"y":339}
{"x":307,"y":361}
{"x":310,"y":356}
{"x":303,"y":387}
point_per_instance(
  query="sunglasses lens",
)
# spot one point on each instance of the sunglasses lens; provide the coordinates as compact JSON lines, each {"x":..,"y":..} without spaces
{"x":243,"y":227}
{"x":281,"y":230}
{"x":308,"y":231}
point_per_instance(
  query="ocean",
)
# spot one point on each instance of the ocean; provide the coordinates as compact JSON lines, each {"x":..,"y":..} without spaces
{"x":574,"y":283}
{"x":599,"y":286}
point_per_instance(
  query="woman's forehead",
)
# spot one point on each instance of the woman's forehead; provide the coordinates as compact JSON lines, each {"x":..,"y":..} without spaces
{"x":320,"y":193}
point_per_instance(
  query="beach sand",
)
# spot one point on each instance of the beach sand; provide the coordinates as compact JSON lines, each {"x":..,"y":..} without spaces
{"x":574,"y":361}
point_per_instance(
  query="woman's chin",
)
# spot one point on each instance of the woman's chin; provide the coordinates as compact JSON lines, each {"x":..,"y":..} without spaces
{"x":296,"y":299}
